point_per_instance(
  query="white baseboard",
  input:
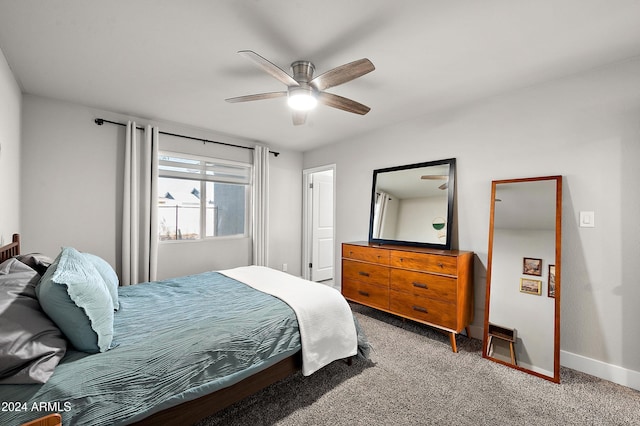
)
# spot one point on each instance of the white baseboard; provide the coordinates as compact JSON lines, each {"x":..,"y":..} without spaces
{"x":613,"y":373}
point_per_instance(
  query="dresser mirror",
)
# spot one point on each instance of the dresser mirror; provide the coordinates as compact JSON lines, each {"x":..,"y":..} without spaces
{"x":413,"y":204}
{"x":522,"y":307}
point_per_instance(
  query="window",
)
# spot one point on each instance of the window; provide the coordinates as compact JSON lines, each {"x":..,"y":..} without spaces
{"x":202,"y":197}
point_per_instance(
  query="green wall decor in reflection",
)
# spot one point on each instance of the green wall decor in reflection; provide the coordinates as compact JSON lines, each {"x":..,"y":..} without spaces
{"x":438,"y":223}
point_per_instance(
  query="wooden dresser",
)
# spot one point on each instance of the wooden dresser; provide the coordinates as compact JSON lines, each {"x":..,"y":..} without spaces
{"x":434,"y":287}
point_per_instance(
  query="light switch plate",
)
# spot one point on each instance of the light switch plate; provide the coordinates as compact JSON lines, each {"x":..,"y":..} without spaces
{"x":587,"y":220}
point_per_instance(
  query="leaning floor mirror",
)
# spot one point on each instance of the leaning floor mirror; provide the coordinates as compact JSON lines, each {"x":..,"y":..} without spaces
{"x":522,"y":307}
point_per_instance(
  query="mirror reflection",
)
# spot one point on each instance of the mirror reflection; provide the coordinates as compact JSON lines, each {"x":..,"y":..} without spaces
{"x":413,"y":204}
{"x":522,"y":308}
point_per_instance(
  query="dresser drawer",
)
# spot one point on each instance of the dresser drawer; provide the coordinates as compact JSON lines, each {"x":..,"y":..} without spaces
{"x":421,"y":284}
{"x":423,"y":309}
{"x":366,"y":254}
{"x":365,"y":272}
{"x":425,"y":262}
{"x":366,"y":294}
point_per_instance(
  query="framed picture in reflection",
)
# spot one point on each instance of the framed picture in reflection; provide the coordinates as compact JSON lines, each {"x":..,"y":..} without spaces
{"x":552,"y":281}
{"x":531,"y":266}
{"x":530,"y":286}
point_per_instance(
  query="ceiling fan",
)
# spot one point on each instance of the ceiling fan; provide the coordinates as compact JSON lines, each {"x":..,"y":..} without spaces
{"x":304,"y":91}
{"x":438,"y":177}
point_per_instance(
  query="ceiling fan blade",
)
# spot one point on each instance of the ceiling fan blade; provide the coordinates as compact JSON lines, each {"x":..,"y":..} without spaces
{"x":269,"y":67}
{"x":257,"y":97}
{"x":342,"y":74}
{"x":435,"y":177}
{"x":342,"y":103}
{"x":299,"y":117}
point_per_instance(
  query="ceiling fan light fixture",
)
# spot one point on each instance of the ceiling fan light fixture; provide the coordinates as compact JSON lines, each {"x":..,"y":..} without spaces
{"x":304,"y":90}
{"x":301,"y":99}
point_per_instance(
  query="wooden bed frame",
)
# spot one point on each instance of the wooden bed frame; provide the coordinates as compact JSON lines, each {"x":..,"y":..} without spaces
{"x":192,"y":411}
{"x":10,"y":250}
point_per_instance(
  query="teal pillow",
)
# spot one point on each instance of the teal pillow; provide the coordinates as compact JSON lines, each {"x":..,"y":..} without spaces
{"x":108,"y":275}
{"x":74,"y":295}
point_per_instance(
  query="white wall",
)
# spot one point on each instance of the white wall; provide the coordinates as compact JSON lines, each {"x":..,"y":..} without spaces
{"x":285,"y":212}
{"x":71,"y":174}
{"x":585,"y":127}
{"x":10,"y":105}
{"x":71,"y":191}
{"x":416,"y":216}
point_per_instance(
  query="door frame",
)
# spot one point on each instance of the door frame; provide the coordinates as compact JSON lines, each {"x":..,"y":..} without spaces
{"x":307,"y":211}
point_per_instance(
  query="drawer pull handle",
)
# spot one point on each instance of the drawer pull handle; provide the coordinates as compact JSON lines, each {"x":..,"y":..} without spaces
{"x":363,"y":293}
{"x":420,"y":309}
{"x":364,"y":274}
{"x":441,"y":265}
{"x":420,"y":285}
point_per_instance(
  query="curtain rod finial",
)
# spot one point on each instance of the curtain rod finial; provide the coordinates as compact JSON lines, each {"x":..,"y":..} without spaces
{"x":99,"y":121}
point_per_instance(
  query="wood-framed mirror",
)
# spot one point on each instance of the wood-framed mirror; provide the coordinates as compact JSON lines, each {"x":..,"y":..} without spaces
{"x":522,"y":306}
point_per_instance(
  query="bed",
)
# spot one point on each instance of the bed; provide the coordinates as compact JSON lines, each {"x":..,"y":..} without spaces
{"x":180,"y":350}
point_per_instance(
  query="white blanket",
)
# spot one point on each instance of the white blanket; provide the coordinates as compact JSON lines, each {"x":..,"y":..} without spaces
{"x":326,"y":323}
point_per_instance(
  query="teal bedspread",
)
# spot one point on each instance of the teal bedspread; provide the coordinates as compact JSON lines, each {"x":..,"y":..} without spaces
{"x":177,"y":339}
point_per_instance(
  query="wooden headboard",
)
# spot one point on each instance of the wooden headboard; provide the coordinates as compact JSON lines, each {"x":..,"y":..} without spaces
{"x":11,"y":249}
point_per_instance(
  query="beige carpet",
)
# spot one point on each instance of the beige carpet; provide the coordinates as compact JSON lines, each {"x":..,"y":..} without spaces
{"x":413,"y":378}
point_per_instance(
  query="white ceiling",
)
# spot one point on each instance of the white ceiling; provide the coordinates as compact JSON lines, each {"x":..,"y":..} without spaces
{"x":176,"y":61}
{"x":410,"y":183}
{"x":527,"y":205}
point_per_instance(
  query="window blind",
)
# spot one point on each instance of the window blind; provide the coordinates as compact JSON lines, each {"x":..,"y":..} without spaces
{"x":184,"y":166}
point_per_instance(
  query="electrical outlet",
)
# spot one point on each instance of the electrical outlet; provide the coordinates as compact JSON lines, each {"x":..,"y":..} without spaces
{"x":284,"y":267}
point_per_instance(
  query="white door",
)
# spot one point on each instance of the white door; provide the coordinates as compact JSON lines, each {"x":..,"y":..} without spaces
{"x":322,"y":226}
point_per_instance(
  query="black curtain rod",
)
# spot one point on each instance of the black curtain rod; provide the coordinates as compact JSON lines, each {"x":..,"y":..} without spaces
{"x":101,"y":121}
